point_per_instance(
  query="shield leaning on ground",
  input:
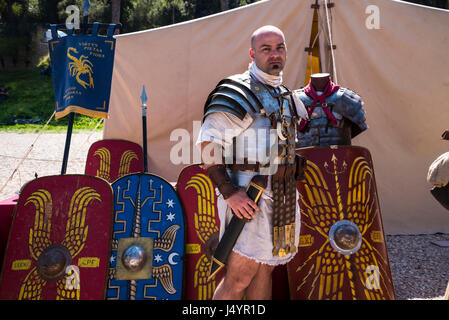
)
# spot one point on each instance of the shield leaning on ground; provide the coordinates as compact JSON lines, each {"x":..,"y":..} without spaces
{"x":342,"y":252}
{"x":59,"y":241}
{"x":111,"y":159}
{"x":146,"y":259}
{"x":199,"y":200}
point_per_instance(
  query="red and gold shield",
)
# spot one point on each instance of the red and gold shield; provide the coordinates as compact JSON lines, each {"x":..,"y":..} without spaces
{"x":199,"y":201}
{"x":112,"y":159}
{"x":59,"y":241}
{"x":342,"y":253}
{"x":6,"y":212}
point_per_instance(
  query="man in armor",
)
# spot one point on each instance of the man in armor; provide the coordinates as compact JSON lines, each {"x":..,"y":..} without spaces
{"x":249,"y":129}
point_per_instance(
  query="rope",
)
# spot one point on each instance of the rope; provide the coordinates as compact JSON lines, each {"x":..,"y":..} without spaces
{"x":322,"y":27}
{"x":27,"y":153}
{"x":89,"y":136}
{"x":35,"y":159}
{"x":335,"y":79}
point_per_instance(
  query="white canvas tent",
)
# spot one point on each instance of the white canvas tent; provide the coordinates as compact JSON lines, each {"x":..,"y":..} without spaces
{"x":394,"y":54}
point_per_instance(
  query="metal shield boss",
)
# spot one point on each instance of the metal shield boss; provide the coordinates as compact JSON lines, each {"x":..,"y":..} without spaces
{"x":59,"y":241}
{"x":148,"y":240}
{"x":342,"y":252}
{"x":112,"y":159}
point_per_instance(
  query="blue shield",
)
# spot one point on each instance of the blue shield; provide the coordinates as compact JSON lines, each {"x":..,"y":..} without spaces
{"x":82,"y":71}
{"x":147,"y":206}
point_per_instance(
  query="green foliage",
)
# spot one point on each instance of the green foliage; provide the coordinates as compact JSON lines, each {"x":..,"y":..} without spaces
{"x":31,"y":99}
{"x":31,"y":95}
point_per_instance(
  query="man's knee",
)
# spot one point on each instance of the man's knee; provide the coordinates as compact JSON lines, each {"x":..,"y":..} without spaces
{"x":241,"y":279}
{"x":241,"y":271}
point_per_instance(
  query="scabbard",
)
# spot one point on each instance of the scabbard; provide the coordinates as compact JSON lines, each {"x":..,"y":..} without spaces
{"x":219,"y":259}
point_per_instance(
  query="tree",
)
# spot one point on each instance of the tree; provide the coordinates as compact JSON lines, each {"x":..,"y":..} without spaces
{"x":116,"y":11}
{"x":224,"y":5}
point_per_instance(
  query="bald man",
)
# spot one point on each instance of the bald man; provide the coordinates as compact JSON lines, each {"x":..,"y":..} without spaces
{"x":248,"y":129}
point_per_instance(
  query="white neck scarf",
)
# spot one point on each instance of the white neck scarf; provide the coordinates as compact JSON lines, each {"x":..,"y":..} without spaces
{"x":274,"y":81}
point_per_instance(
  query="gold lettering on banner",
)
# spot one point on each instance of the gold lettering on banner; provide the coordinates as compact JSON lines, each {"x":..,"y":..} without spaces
{"x":89,"y":262}
{"x":306,"y":240}
{"x":377,"y":236}
{"x":21,"y":264}
{"x":193,"y":248}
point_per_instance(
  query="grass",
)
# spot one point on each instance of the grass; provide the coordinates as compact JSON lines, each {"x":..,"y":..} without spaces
{"x":31,"y":102}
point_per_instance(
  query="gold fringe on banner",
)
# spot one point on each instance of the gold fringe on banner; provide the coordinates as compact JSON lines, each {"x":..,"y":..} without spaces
{"x":81,"y":110}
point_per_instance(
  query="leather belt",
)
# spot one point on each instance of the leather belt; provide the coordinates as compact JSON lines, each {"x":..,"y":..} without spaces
{"x":254,"y":167}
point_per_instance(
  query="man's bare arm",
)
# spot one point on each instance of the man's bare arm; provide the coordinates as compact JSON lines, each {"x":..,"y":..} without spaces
{"x":239,"y":202}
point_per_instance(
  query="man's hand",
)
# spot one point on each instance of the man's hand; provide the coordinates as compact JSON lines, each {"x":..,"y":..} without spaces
{"x":242,"y":205}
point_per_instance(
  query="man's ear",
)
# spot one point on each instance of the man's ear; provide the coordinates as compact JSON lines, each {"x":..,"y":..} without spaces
{"x":251,"y":53}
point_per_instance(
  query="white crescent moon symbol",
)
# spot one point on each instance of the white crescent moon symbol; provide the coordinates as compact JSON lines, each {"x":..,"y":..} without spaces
{"x":170,"y":258}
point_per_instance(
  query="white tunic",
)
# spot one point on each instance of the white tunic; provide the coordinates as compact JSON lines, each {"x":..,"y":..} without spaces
{"x":256,"y":239}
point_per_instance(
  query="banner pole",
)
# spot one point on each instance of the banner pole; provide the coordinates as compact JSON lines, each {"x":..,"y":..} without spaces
{"x":68,"y":138}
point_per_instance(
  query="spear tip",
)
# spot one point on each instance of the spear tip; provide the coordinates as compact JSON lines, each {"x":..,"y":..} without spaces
{"x":143,"y":96}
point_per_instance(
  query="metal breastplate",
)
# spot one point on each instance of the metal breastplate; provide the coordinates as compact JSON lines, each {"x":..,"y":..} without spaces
{"x":346,"y":107}
{"x":272,"y":131}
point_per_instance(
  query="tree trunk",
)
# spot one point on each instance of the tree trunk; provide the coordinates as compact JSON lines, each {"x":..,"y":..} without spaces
{"x":224,"y":5}
{"x":116,"y":11}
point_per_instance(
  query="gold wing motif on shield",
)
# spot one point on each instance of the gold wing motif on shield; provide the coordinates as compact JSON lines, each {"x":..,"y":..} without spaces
{"x":40,"y":233}
{"x":75,"y":238}
{"x":165,"y":276}
{"x":125,"y":162}
{"x":167,"y":241}
{"x":76,"y":228}
{"x":329,"y":271}
{"x":39,"y":238}
{"x":105,"y":163}
{"x":205,"y":228}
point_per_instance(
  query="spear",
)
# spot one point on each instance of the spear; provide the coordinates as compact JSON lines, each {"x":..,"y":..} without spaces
{"x":144,"y":98}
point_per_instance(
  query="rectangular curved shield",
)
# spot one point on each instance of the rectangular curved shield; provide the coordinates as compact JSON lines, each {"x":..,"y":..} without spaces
{"x":112,"y":159}
{"x":199,"y":200}
{"x":342,"y":253}
{"x":146,"y":261}
{"x":59,"y":240}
